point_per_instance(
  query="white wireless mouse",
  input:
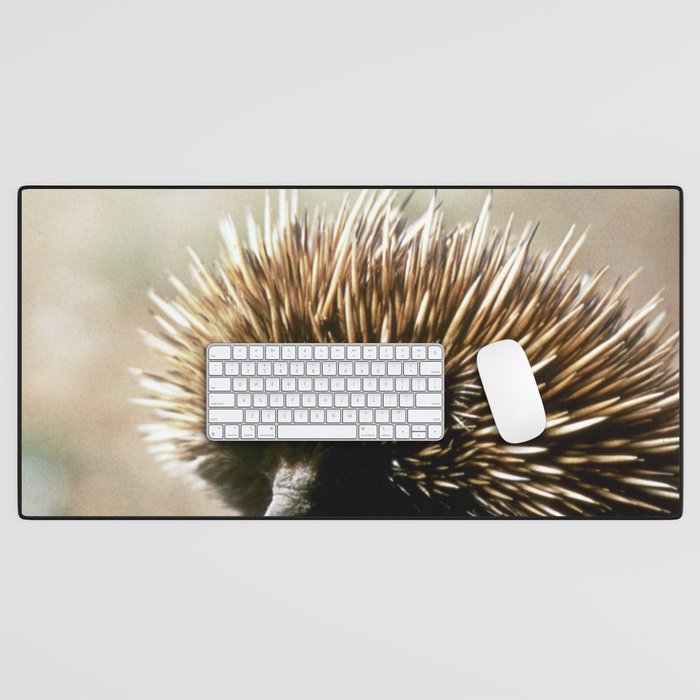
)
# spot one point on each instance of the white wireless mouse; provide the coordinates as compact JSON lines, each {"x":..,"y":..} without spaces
{"x":511,"y":391}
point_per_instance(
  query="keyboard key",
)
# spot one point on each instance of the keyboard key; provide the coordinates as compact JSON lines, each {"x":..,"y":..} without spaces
{"x":428,"y":400}
{"x":317,"y":416}
{"x":301,"y":415}
{"x":353,"y":352}
{"x":232,"y":368}
{"x":317,"y":432}
{"x":434,"y":432}
{"x":337,"y":352}
{"x":267,"y":416}
{"x":398,"y":416}
{"x":256,"y":384}
{"x":231,"y":432}
{"x":333,"y":415}
{"x":220,"y":384}
{"x":402,"y":352}
{"x":435,"y":352}
{"x":222,"y":400}
{"x":252,"y":415}
{"x":225,"y":416}
{"x":259,"y":400}
{"x":256,"y":352}
{"x":240,"y":352}
{"x":434,"y":368}
{"x":320,"y":352}
{"x":386,"y":432}
{"x":284,"y":415}
{"x":434,"y":384}
{"x":386,"y":352}
{"x":215,"y":432}
{"x":272,"y":352}
{"x":349,"y":415}
{"x":374,"y":400}
{"x":368,"y":432}
{"x":402,"y":432}
{"x":240,"y":384}
{"x":418,"y":352}
{"x":393,"y":368}
{"x":266,"y":432}
{"x":304,"y":352}
{"x":424,"y":416}
{"x":220,"y":352}
{"x":216,"y":368}
{"x":366,"y":415}
{"x":289,"y":352}
{"x":369,"y":352}
{"x":248,"y":432}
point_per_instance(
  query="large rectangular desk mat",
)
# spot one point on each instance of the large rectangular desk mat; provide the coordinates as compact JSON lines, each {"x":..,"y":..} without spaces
{"x":122,"y":290}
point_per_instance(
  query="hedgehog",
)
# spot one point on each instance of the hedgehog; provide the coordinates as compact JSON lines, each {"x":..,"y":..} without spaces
{"x":608,"y":376}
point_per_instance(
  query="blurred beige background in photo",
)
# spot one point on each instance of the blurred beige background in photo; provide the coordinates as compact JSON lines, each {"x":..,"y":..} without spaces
{"x":90,"y":256}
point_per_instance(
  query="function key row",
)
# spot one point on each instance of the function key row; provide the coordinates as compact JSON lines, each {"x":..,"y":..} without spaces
{"x":329,"y":368}
{"x":335,"y":351}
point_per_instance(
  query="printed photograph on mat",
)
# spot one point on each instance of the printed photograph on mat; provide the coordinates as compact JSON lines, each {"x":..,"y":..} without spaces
{"x":241,"y":352}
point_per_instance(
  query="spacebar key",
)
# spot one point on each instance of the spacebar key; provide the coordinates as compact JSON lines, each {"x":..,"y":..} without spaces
{"x":316,"y":432}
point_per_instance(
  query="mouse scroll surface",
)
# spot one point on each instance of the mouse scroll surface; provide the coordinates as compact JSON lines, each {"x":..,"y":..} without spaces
{"x":511,"y":390}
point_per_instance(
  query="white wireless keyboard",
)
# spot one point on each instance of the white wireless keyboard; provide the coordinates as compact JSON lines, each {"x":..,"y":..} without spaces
{"x":386,"y":391}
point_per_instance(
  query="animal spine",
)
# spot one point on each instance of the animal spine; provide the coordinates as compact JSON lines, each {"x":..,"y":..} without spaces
{"x":608,"y":377}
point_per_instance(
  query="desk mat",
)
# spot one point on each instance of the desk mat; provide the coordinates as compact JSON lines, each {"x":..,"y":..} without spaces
{"x":123,"y":288}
